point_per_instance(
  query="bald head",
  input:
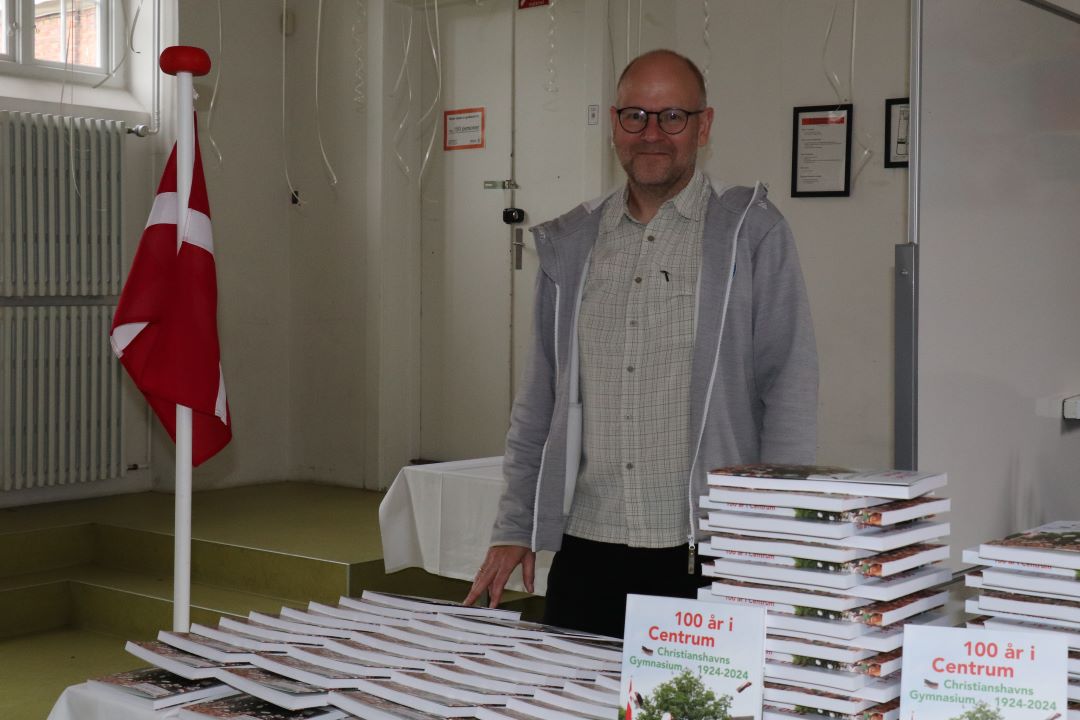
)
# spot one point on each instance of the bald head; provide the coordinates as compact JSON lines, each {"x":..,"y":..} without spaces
{"x":683,"y":71}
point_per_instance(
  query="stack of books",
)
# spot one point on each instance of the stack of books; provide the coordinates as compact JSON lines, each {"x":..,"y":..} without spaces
{"x":387,"y":657}
{"x":1030,"y":582}
{"x":840,"y":560}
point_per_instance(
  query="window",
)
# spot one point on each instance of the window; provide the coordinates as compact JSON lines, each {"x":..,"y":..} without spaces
{"x":61,"y":39}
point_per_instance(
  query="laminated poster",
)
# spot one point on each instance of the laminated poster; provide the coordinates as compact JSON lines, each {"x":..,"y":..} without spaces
{"x":691,"y":659}
{"x":971,"y":674}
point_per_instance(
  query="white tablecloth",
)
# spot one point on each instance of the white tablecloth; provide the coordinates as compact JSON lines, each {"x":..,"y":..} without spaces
{"x":439,"y":517}
{"x":83,"y":702}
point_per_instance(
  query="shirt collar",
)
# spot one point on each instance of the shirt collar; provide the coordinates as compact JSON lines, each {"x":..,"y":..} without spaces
{"x":690,"y":202}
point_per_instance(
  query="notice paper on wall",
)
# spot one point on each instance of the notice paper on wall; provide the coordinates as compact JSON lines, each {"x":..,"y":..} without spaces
{"x":463,"y":129}
{"x":690,"y":658}
{"x":962,"y":674}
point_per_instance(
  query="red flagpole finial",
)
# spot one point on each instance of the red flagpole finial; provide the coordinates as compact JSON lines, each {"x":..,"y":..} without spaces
{"x":184,"y":58}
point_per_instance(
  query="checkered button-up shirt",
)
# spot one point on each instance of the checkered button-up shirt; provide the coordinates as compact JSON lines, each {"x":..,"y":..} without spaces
{"x":636,"y":337}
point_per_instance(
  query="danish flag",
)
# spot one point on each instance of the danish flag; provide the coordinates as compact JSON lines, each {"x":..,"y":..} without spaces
{"x":165,"y":327}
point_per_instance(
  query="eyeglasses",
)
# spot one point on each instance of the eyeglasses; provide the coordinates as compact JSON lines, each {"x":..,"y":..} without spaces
{"x":672,"y":120}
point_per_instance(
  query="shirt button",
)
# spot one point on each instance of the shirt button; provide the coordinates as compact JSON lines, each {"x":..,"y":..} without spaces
{"x":633,"y":323}
{"x":629,"y":466}
{"x":629,"y":368}
{"x":637,"y":279}
{"x":651,"y":238}
{"x":628,"y":417}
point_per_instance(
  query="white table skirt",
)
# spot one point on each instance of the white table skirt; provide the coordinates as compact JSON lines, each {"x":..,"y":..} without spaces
{"x":84,"y":702}
{"x":439,"y":517}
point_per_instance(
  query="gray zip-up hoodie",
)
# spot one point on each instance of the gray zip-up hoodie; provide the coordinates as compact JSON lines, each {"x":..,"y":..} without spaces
{"x":754,"y":373}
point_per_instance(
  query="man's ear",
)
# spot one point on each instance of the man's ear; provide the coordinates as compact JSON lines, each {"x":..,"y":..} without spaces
{"x":705,"y":126}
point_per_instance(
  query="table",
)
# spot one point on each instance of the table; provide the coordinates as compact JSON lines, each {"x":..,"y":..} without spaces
{"x":83,"y":702}
{"x":439,"y":517}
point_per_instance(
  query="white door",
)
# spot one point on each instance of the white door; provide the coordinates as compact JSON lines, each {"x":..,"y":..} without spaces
{"x":535,"y":76}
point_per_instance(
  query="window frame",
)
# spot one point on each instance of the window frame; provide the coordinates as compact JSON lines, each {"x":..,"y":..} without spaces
{"x":19,"y":60}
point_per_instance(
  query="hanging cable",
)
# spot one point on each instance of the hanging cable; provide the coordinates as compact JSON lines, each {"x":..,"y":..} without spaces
{"x":829,"y":74}
{"x":124,"y":55}
{"x":860,"y":136}
{"x":403,"y":74}
{"x":640,"y":18}
{"x":359,"y":33}
{"x":628,"y":32}
{"x":294,"y":194}
{"x":706,"y":39}
{"x":436,"y":55}
{"x":318,"y":124}
{"x":213,"y":94}
{"x":552,"y":84}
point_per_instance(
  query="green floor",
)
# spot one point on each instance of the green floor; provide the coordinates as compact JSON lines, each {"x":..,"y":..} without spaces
{"x":329,"y":524}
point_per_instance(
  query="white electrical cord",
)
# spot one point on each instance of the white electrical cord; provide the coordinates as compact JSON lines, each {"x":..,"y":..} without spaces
{"x":865,"y":153}
{"x":706,"y":39}
{"x":294,"y":194}
{"x":403,"y":74}
{"x":214,"y":93}
{"x":436,"y":56}
{"x":318,"y":124}
{"x":123,"y":56}
{"x":552,"y":84}
{"x":359,"y":33}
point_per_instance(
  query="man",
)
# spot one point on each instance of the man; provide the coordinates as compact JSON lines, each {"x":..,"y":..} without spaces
{"x":662,"y":348}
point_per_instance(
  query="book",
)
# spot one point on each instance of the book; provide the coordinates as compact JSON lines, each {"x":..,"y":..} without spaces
{"x":518,"y":629}
{"x":567,"y":657}
{"x":879,"y":665}
{"x":971,"y":555}
{"x":781,"y":598}
{"x":1035,"y":606}
{"x":823,"y":523}
{"x":429,"y":605}
{"x":251,"y":628}
{"x":323,"y":620}
{"x":828,"y":651}
{"x":365,"y":651}
{"x":591,"y":691}
{"x":159,"y":689}
{"x":833,"y":679}
{"x":786,"y":711}
{"x":765,"y":549}
{"x":575,"y":703}
{"x":462,"y":675}
{"x":430,"y":640}
{"x":458,"y":689}
{"x":534,"y":708}
{"x":974,"y":607}
{"x":1024,"y":583}
{"x":273,"y":688}
{"x":1072,"y":637}
{"x":533,"y":664}
{"x":372,"y":707}
{"x":893,"y":538}
{"x":833,"y":575}
{"x":509,"y":672}
{"x":240,"y":639}
{"x":1056,"y":544}
{"x":288,"y":625}
{"x":321,"y":676}
{"x":787,"y":498}
{"x":397,"y":646}
{"x":346,"y":663}
{"x":603,"y":650}
{"x":246,"y":707}
{"x":410,"y":697}
{"x":896,"y":484}
{"x":436,"y":626}
{"x":350,"y":613}
{"x":206,"y":647}
{"x":877,"y":589}
{"x":823,"y":700}
{"x":176,"y":661}
{"x":370,"y":608}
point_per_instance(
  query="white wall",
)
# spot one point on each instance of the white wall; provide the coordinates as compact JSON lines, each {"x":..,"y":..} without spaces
{"x":999,"y":345}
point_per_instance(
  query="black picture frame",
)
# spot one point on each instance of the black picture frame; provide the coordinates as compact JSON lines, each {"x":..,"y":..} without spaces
{"x":897,"y":125}
{"x":811,"y":152}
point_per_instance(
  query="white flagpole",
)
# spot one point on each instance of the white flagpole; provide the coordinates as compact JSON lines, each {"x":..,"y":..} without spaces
{"x":184,"y":63}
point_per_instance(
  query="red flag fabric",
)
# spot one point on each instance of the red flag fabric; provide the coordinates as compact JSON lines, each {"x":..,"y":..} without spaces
{"x":630,"y":701}
{"x":165,"y":327}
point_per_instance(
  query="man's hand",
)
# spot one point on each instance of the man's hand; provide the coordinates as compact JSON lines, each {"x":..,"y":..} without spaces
{"x":495,"y":571}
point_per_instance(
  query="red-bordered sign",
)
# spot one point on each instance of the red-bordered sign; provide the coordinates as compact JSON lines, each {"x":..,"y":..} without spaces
{"x":463,"y":129}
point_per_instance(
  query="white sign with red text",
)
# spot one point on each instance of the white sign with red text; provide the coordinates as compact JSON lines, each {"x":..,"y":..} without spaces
{"x":681,"y":654}
{"x":968,"y":673}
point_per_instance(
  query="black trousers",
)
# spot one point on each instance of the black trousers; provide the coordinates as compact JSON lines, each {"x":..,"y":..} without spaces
{"x":589,"y":581}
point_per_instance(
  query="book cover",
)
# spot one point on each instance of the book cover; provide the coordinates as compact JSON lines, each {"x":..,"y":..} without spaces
{"x":973,"y":606}
{"x":823,"y":700}
{"x":1056,"y":544}
{"x":246,"y":707}
{"x":765,"y":548}
{"x":681,"y":656}
{"x":206,"y":647}
{"x":1034,"y":605}
{"x":533,"y":664}
{"x":288,"y":625}
{"x":176,"y":661}
{"x":788,"y":498}
{"x":397,"y":646}
{"x":1029,"y":583}
{"x":509,"y":672}
{"x":786,"y":711}
{"x":348,"y":613}
{"x":819,"y":649}
{"x":429,"y":605}
{"x":823,"y":523}
{"x":971,"y":555}
{"x":373,"y":707}
{"x":273,"y":688}
{"x":436,"y":626}
{"x":422,"y":700}
{"x":159,"y":689}
{"x":472,"y":678}
{"x":895,"y":484}
{"x":323,"y":620}
{"x":562,"y":656}
{"x":345,"y":663}
{"x":602,"y":650}
{"x":363,"y":650}
{"x":315,"y":674}
{"x":890,"y":538}
{"x":250,"y":628}
{"x":458,"y":689}
{"x":238,"y":638}
{"x":540,"y":710}
{"x":575,"y":703}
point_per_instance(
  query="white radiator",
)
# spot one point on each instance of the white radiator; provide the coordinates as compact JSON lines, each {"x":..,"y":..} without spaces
{"x":60,"y":275}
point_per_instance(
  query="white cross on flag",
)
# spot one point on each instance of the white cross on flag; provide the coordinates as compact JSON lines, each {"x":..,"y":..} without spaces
{"x":165,"y":327}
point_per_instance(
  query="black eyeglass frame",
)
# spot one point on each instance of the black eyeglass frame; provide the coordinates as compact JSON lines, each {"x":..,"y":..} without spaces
{"x":657,"y":113}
